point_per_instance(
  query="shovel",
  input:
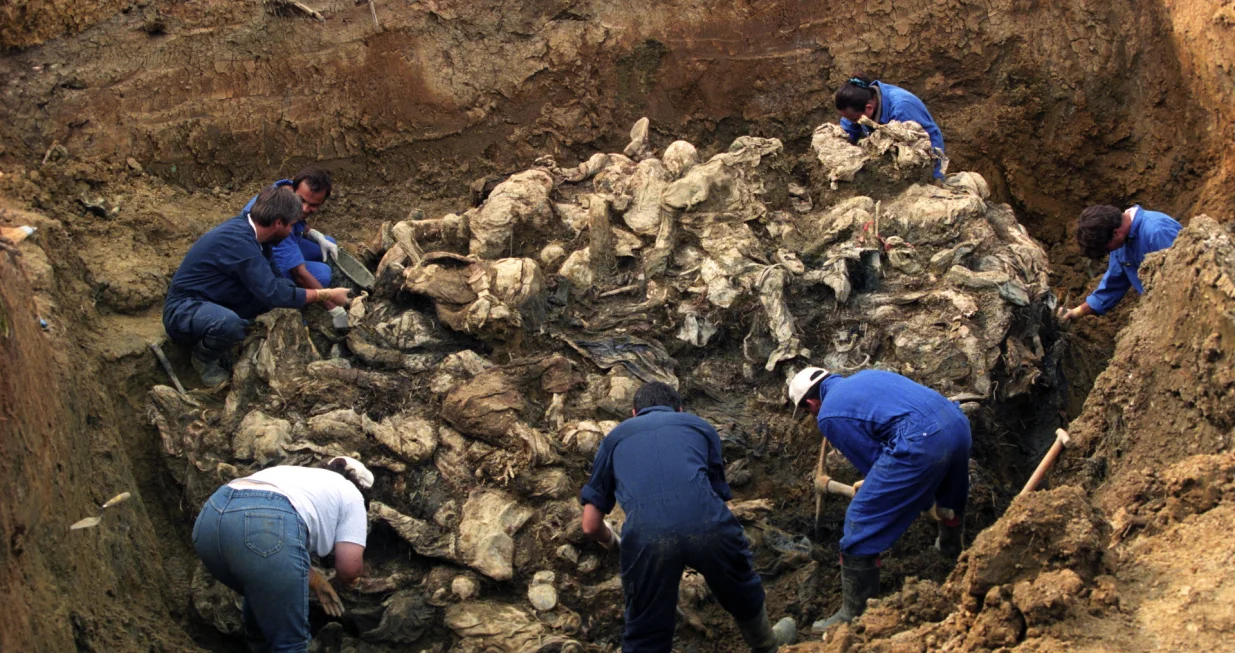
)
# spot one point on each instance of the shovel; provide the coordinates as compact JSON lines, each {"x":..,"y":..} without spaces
{"x":91,"y":522}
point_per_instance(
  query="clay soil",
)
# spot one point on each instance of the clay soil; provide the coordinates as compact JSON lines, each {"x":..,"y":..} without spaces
{"x":131,"y":129}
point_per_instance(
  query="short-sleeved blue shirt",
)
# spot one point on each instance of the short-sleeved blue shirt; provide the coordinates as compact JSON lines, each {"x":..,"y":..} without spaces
{"x":665,"y":468}
{"x":1151,"y":231}
{"x":287,"y":254}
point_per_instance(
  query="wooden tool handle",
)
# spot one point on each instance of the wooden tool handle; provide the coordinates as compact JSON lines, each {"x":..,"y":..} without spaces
{"x":836,"y":487}
{"x":1048,"y":461}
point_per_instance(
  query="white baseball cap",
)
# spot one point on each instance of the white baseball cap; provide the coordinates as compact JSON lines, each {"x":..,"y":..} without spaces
{"x":802,"y":383}
{"x":363,"y":475}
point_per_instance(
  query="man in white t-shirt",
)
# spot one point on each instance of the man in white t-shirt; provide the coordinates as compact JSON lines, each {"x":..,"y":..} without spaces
{"x":256,"y":534}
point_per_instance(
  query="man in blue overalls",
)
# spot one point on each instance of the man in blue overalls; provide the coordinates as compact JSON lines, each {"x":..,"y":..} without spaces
{"x":664,"y":466}
{"x":912,"y":446}
{"x":304,"y":255}
{"x":1128,"y":236}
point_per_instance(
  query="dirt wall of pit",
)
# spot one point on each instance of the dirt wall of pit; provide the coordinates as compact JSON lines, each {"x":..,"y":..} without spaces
{"x":1203,"y":32}
{"x":1169,"y":392}
{"x":62,"y":456}
{"x":1058,"y":104}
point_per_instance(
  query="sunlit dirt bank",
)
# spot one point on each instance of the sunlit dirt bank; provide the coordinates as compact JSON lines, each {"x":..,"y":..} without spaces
{"x":131,"y":129}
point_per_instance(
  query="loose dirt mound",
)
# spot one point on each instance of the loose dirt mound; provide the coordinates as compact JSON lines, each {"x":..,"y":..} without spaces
{"x":1172,"y":374}
{"x":1140,"y":561}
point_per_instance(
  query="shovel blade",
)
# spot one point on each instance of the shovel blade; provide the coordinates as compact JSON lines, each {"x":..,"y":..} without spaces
{"x":89,"y":522}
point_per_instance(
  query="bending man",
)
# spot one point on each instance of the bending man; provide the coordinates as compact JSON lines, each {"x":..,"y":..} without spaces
{"x":256,"y":534}
{"x":664,"y":466}
{"x":304,"y":255}
{"x":883,"y":103}
{"x":225,"y":280}
{"x":912,"y":446}
{"x":1128,"y":236}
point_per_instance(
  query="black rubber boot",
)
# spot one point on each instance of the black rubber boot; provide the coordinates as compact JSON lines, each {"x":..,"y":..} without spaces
{"x":757,"y":633}
{"x":212,"y":372}
{"x":859,"y":581}
{"x":951,"y":538}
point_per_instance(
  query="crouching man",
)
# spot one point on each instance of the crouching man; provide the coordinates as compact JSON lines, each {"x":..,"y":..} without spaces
{"x":305,"y":255}
{"x":226,"y":280}
{"x":664,"y":466}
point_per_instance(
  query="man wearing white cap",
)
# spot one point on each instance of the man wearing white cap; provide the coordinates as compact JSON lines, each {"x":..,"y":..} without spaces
{"x":256,"y":534}
{"x":912,"y":446}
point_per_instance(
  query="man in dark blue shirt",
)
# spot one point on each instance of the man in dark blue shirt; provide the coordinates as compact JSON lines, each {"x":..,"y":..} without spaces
{"x":304,"y":255}
{"x":664,"y":466}
{"x":1128,"y":236}
{"x":911,"y":444}
{"x":226,"y":280}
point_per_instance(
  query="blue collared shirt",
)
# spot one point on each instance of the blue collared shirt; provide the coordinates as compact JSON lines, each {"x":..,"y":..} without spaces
{"x":1151,"y":231}
{"x":228,"y":267}
{"x":665,"y":468}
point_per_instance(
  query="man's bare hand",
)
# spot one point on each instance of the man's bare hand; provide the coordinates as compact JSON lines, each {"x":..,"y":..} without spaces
{"x":339,"y":296}
{"x":325,"y":593}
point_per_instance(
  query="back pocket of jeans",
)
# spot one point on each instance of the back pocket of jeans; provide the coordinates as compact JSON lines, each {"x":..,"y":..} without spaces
{"x":263,"y":532}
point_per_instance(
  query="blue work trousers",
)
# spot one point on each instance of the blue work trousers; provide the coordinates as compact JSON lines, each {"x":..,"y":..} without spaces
{"x":917,"y":469}
{"x":208,"y":328}
{"x":255,"y":543}
{"x":652,"y":567}
{"x":312,"y":253}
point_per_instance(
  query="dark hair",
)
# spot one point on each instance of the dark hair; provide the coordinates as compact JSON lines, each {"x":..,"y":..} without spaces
{"x":317,"y":179}
{"x":856,"y":93}
{"x":1096,"y":228}
{"x":657,"y":394}
{"x":339,"y":466}
{"x":276,"y":203}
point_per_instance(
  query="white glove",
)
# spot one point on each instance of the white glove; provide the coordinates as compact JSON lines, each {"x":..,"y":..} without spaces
{"x":615,"y":542}
{"x":338,"y":317}
{"x":330,"y":251}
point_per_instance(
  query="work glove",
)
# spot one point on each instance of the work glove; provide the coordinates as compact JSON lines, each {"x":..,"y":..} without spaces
{"x":325,"y":593}
{"x":338,"y":317}
{"x":330,"y":251}
{"x":614,"y":542}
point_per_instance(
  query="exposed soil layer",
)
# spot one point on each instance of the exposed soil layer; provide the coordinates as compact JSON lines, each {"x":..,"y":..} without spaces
{"x":145,"y":125}
{"x":63,"y":455}
{"x":1128,"y":553}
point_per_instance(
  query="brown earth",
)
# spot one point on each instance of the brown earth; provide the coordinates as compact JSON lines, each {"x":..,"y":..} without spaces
{"x":168,"y":116}
{"x":1132,"y":551}
{"x":63,"y":455}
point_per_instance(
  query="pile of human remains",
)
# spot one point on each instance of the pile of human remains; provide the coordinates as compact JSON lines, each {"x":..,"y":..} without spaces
{"x":499,"y":346}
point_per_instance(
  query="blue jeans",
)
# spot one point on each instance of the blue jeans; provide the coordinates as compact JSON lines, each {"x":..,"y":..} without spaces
{"x":312,"y":253}
{"x":209,"y":329}
{"x":255,"y":543}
